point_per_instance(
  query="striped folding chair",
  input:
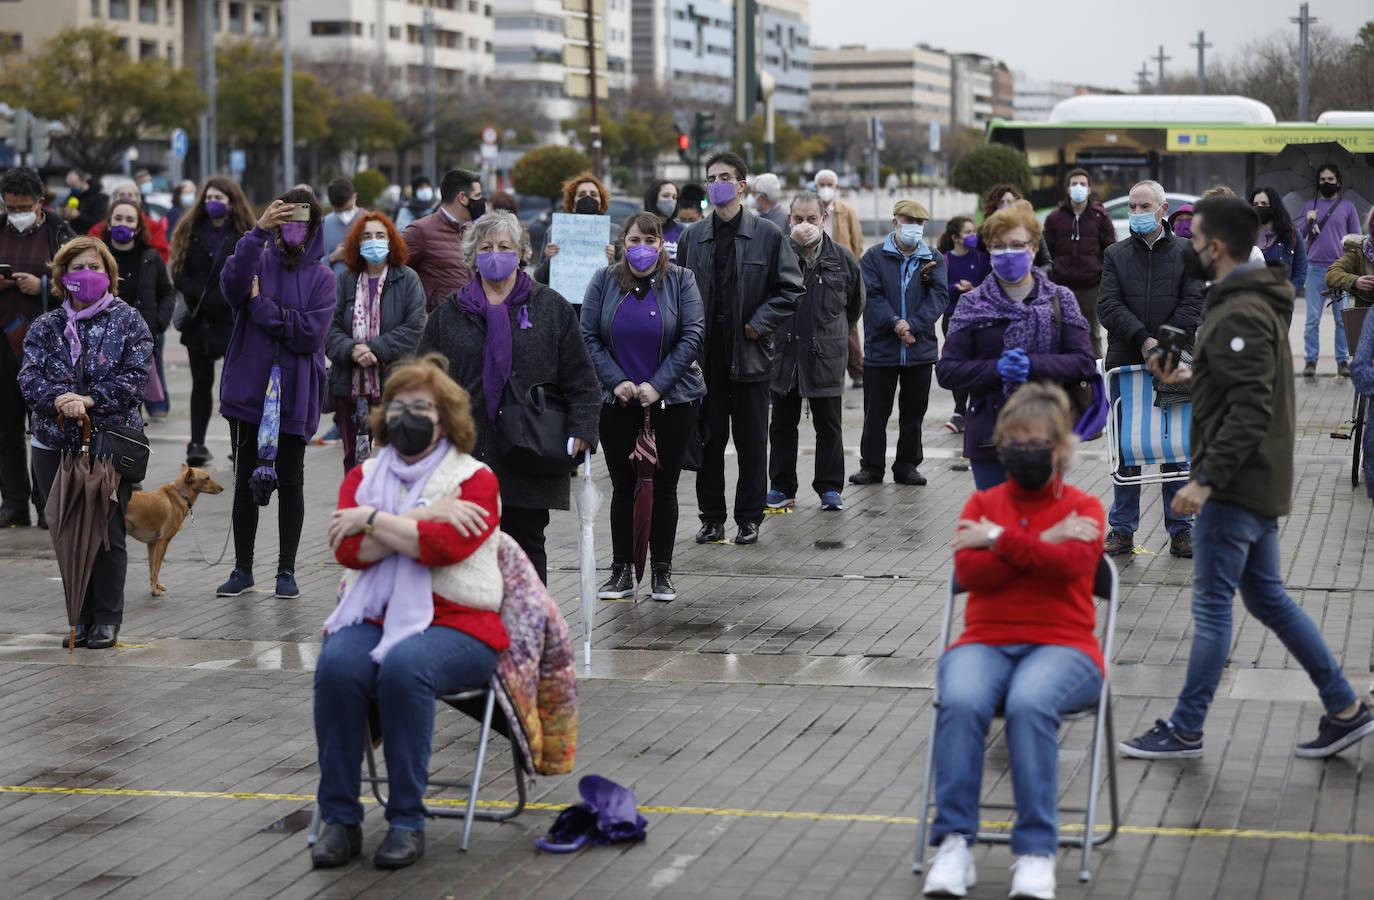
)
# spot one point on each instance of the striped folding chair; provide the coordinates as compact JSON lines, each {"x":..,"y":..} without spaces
{"x":1142,"y":434}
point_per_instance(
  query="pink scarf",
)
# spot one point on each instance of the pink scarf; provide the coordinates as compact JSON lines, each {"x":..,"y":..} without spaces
{"x":75,"y":315}
{"x":367,"y":324}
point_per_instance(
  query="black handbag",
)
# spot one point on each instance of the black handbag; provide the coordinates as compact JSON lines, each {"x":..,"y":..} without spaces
{"x":127,"y":449}
{"x":532,"y":430}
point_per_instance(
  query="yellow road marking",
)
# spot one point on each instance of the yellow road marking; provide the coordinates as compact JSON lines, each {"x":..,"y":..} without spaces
{"x":788,"y":815}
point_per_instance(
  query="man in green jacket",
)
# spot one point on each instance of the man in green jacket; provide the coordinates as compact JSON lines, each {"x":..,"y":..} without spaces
{"x":1242,"y":465}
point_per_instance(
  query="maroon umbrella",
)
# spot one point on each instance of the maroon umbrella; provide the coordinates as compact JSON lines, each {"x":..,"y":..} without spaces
{"x":645,"y":458}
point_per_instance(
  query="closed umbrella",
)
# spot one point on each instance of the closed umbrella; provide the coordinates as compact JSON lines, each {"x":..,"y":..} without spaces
{"x":362,"y":441}
{"x":263,"y":481}
{"x":645,"y":458}
{"x":588,"y":499}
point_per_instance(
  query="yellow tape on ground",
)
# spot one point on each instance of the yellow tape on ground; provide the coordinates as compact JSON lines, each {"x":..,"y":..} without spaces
{"x":786,"y":815}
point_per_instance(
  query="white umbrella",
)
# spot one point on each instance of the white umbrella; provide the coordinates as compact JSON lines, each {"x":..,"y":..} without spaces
{"x":588,"y":502}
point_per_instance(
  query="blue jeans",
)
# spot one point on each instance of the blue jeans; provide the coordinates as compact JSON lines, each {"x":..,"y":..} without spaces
{"x":987,"y":473}
{"x":1311,"y":329}
{"x":1035,"y":684}
{"x":1234,"y":548}
{"x":416,"y":671}
{"x":165,"y":404}
{"x":1125,"y":512}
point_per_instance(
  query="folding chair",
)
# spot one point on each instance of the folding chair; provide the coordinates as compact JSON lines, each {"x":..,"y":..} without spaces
{"x":463,"y":701}
{"x":1105,"y":587}
{"x":1142,"y":434}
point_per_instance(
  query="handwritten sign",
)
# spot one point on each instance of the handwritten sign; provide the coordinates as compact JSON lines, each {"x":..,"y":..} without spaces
{"x":581,"y":244}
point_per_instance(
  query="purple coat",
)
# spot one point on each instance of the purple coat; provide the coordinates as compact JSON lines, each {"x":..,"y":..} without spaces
{"x":293,"y":306}
{"x":969,"y":363}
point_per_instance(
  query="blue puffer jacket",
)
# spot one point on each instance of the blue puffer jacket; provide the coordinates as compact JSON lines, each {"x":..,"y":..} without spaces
{"x":117,"y":353}
{"x":896,"y":290}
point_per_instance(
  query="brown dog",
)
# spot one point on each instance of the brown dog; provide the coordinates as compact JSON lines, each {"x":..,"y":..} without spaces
{"x":155,"y":517}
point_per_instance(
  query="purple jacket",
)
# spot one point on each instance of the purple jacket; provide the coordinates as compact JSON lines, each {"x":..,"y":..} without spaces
{"x":969,"y":363}
{"x":1325,"y":248}
{"x":293,"y":306}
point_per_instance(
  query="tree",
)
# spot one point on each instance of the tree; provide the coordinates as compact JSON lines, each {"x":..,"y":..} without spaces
{"x":84,"y":79}
{"x":630,"y":138}
{"x":366,"y":124}
{"x":541,"y":172}
{"x":790,"y":146}
{"x":369,"y":183}
{"x":981,"y":168}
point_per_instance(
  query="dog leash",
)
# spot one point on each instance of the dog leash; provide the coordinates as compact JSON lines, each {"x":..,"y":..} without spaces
{"x":234,"y":477}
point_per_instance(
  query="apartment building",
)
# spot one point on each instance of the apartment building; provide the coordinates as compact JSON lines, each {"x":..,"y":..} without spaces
{"x":912,"y":86}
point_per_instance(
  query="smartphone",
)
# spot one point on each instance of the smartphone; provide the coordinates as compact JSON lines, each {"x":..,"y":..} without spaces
{"x":300,"y":212}
{"x":6,"y":270}
{"x":1172,"y":342}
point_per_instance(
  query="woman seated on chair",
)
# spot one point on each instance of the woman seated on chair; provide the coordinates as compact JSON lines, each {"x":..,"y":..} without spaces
{"x":1027,"y":552}
{"x":419,"y":609}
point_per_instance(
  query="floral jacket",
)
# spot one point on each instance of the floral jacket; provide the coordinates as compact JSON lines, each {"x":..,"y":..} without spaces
{"x":117,"y":355}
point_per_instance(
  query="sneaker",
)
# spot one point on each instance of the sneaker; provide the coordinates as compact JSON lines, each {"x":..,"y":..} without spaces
{"x":1342,"y":369}
{"x":331,"y":436}
{"x":621,"y":583}
{"x":711,"y":533}
{"x":952,"y":871}
{"x":1033,"y":877}
{"x":779,"y":500}
{"x":240,"y":580}
{"x":955,"y":425}
{"x":662,"y":588}
{"x":197,"y":455}
{"x":1309,"y":370}
{"x":831,"y":501}
{"x":909,"y":475}
{"x":1118,"y":542}
{"x":1181,"y":545}
{"x":1334,"y":735}
{"x":286,"y":586}
{"x":1162,"y":742}
{"x":866,"y":476}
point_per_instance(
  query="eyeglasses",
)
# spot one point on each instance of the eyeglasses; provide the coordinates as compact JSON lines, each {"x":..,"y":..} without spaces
{"x":1014,"y":247}
{"x":419,"y":407}
{"x":1025,"y":446}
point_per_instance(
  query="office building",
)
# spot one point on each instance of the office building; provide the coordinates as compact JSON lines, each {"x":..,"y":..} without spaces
{"x":784,"y":33}
{"x":911,"y":86}
{"x":685,"y":46}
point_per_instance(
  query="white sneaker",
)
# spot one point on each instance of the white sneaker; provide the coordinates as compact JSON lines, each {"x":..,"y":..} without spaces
{"x":951,"y":871}
{"x":1033,"y":877}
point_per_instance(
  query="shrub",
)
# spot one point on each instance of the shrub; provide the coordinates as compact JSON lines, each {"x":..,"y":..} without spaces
{"x":981,"y":168}
{"x":541,"y":172}
{"x":369,"y":183}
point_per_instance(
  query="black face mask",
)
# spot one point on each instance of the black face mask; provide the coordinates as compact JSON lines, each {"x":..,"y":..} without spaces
{"x":1193,"y":266}
{"x":1031,"y":468}
{"x":477,"y":207}
{"x":410,"y":433}
{"x":1327,"y":189}
{"x":1265,"y":213}
{"x":587,"y":206}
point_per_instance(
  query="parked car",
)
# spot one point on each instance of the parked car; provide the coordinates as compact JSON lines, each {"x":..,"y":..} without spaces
{"x":1120,"y":211}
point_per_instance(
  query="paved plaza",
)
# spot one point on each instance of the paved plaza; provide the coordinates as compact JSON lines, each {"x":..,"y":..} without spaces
{"x":771,"y":720}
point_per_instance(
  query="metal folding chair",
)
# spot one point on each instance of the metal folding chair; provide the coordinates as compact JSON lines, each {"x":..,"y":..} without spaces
{"x":486,"y":697}
{"x":1142,"y":434}
{"x":1106,"y":588}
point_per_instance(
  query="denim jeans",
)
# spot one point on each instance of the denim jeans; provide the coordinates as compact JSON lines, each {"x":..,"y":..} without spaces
{"x":416,"y":671}
{"x":1234,"y":548}
{"x":1125,"y":512}
{"x":165,"y":404}
{"x":1311,"y":329}
{"x":1034,"y":684}
{"x":987,"y":473}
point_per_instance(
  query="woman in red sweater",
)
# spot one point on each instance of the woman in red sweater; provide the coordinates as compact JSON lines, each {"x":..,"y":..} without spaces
{"x":419,"y":605}
{"x":1026,"y":551}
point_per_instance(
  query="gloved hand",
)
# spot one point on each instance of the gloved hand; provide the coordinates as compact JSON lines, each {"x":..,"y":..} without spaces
{"x":1014,"y":366}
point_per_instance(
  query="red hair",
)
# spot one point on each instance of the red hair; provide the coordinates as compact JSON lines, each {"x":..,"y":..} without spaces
{"x":395,"y":243}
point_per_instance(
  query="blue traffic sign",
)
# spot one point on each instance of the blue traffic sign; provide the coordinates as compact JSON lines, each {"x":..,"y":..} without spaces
{"x":238,"y":161}
{"x":180,"y":143}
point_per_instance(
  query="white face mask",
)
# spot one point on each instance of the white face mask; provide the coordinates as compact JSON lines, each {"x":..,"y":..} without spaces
{"x":22,"y":222}
{"x":347,"y":215}
{"x":424,"y":195}
{"x":1078,"y":193}
{"x":827,"y":194}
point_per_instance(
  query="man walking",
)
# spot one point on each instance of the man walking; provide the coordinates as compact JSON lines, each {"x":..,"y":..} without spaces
{"x":1242,"y":442}
{"x":1146,"y":285}
{"x":906,"y":293}
{"x":811,"y":351}
{"x":1077,"y":234}
{"x":434,"y":244}
{"x":768,"y":200}
{"x":843,"y":226}
{"x":750,"y":285}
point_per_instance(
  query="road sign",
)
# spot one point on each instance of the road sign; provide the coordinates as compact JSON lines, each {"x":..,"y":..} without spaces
{"x":489,"y":154}
{"x":238,"y":161}
{"x":489,"y":135}
{"x":934,"y":137}
{"x":181,"y":144}
{"x":877,"y":134}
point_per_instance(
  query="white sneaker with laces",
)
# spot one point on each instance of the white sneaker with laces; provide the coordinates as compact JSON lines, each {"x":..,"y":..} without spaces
{"x":1033,"y":877}
{"x":951,"y":871}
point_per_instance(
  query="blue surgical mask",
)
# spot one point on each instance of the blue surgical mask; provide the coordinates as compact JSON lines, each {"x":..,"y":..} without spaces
{"x":1144,"y":223}
{"x":1078,"y":193}
{"x":910,"y":234}
{"x":374,"y":250}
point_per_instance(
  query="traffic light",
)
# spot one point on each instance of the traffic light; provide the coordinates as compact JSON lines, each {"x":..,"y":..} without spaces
{"x":684,"y":145}
{"x":705,"y":130}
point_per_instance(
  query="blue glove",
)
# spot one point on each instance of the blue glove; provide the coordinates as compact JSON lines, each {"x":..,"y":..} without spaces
{"x":1014,"y":365}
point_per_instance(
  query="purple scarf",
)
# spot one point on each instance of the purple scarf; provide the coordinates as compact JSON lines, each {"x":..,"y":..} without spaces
{"x":75,"y":315}
{"x":496,"y":362}
{"x":1030,"y":323}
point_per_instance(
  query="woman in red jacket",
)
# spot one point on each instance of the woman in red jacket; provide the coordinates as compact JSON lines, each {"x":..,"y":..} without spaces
{"x":419,"y":607}
{"x":1026,"y":551}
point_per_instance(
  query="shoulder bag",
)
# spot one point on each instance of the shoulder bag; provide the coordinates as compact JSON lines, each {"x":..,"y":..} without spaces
{"x":1086,"y":395}
{"x":531,"y":433}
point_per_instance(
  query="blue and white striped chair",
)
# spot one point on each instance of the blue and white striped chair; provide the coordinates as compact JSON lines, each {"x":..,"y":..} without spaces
{"x":1142,"y":434}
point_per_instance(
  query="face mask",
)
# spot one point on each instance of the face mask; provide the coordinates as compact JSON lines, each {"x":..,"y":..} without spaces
{"x":86,"y":285}
{"x":971,"y":241}
{"x":497,"y":265}
{"x":1011,"y":265}
{"x":22,"y":222}
{"x":122,"y":234}
{"x":348,"y":215}
{"x":722,"y":192}
{"x":1195,"y":267}
{"x":1265,"y":213}
{"x":1078,"y":193}
{"x":667,"y":208}
{"x":806,"y":234}
{"x":477,"y":207}
{"x":375,"y":250}
{"x":1184,"y":227}
{"x":188,"y":199}
{"x":750,"y":201}
{"x":410,"y":433}
{"x":1328,"y":190}
{"x":910,"y":234}
{"x":1143,"y":223}
{"x":146,"y":187}
{"x":827,"y":194}
{"x":216,"y":209}
{"x":293,"y":233}
{"x":642,"y":257}
{"x":1030,"y":468}
{"x":587,"y":206}
{"x":424,"y":195}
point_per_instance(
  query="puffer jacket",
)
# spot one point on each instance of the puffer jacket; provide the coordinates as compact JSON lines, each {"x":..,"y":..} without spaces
{"x":434,"y":249}
{"x":683,"y":323}
{"x":1144,"y":288}
{"x":813,"y":346}
{"x":1077,"y":242}
{"x":896,"y":290}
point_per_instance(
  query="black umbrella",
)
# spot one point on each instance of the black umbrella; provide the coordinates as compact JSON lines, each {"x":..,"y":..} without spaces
{"x":1293,"y":174}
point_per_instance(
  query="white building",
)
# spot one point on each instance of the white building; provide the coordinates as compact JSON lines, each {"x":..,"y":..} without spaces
{"x":686,"y":46}
{"x":1034,"y":99}
{"x":907,"y":86}
{"x":784,"y":33}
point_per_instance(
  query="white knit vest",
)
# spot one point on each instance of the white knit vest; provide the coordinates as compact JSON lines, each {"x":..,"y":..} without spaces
{"x":476,"y":581}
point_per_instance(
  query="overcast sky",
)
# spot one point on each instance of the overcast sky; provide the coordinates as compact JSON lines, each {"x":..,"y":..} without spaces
{"x":1085,"y":42}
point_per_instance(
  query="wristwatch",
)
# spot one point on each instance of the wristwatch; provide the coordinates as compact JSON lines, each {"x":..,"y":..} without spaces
{"x":367,"y":529}
{"x":994,"y":533}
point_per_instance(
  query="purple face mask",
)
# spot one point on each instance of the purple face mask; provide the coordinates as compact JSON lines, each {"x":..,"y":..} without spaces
{"x":642,"y":257}
{"x":293,"y":233}
{"x":721,"y":192}
{"x":497,"y":265}
{"x":216,"y":209}
{"x":1011,"y":266}
{"x":122,"y":234}
{"x":971,"y":241}
{"x":86,"y":285}
{"x":1183,"y":226}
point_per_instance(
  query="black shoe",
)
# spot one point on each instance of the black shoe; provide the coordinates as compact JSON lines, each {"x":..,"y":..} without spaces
{"x":1309,"y":370}
{"x":1334,"y":734}
{"x":82,"y":633}
{"x":14,"y":518}
{"x":42,"y":520}
{"x":198,"y":455}
{"x":402,"y":847}
{"x":866,"y":476}
{"x":1181,"y":545}
{"x":748,"y":533}
{"x":336,"y":845}
{"x":621,"y":583}
{"x":711,"y":533}
{"x":662,"y":584}
{"x":908,"y":475}
{"x":1162,"y":742}
{"x":102,"y":637}
{"x":1342,"y":369}
{"x":286,"y":586}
